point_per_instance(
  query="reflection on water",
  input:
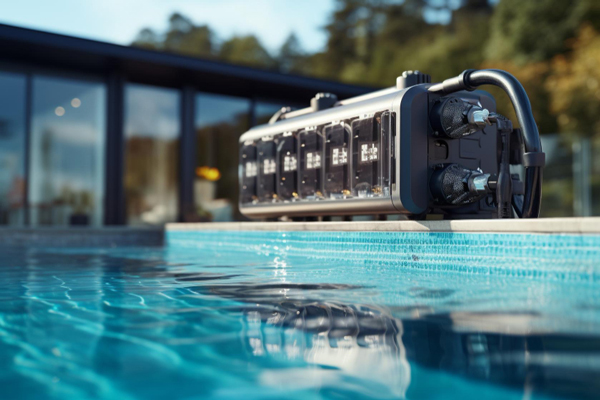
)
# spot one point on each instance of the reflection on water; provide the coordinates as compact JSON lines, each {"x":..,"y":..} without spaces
{"x":369,"y":342}
{"x":154,"y":324}
{"x":344,"y":342}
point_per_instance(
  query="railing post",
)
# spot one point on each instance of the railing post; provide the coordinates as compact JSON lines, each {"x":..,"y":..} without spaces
{"x":582,"y":164}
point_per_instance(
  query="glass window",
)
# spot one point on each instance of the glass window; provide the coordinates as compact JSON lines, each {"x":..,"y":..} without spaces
{"x":12,"y":149}
{"x":67,"y":152}
{"x":152,"y":130}
{"x":220,"y":120}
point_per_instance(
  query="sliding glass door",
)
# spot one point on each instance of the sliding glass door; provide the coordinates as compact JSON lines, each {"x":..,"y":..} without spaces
{"x":12,"y":149}
{"x":67,"y":151}
{"x":152,"y":129}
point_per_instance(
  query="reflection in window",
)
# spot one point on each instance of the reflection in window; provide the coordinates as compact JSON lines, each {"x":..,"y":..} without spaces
{"x":220,"y":120}
{"x":67,"y":152}
{"x":12,"y":149}
{"x":151,"y":154}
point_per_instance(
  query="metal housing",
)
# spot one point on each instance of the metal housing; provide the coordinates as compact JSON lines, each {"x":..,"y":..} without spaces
{"x":410,"y":156}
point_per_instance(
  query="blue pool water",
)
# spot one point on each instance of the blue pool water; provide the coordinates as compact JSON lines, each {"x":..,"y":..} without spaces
{"x":267,"y":315}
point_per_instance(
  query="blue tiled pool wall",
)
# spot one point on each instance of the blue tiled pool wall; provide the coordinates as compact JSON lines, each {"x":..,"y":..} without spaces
{"x":568,"y":257}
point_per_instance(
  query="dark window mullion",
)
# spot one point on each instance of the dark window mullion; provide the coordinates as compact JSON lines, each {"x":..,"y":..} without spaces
{"x":114,"y":201}
{"x":27,"y":150}
{"x":187,"y":153}
{"x":252,"y":115}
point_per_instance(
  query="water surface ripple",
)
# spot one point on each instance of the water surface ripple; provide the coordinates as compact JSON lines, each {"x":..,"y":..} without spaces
{"x":205,"y":317}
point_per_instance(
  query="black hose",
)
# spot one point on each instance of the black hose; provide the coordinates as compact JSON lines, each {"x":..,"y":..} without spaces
{"x":470,"y":80}
{"x":517,"y":202}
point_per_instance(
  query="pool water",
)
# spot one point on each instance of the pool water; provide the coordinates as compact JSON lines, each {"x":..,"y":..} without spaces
{"x":271,"y":315}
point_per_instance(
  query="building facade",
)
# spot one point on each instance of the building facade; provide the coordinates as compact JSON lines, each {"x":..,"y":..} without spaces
{"x":99,"y":134}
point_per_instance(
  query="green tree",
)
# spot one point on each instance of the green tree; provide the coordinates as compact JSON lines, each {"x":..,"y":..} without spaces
{"x":406,"y":41}
{"x":524,"y":31}
{"x":147,"y":39}
{"x":182,"y":36}
{"x":574,"y":85}
{"x":246,"y":50}
{"x":351,"y":38}
{"x":185,"y":37}
{"x":291,"y":57}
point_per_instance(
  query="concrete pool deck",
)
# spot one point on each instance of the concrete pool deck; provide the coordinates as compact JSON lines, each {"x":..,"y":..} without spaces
{"x":588,"y":225}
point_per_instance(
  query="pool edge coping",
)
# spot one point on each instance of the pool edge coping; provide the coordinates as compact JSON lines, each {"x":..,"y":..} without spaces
{"x":588,"y":225}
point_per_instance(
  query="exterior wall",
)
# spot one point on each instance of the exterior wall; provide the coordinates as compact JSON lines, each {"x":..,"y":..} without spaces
{"x":134,"y":152}
{"x":118,"y":190}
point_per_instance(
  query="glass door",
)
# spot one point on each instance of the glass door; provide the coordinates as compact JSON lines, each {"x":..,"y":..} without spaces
{"x":67,"y":151}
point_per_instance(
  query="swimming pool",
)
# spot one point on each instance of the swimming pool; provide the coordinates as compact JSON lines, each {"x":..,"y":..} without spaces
{"x":232,"y":314}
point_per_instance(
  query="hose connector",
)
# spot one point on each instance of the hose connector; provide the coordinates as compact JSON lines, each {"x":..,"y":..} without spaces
{"x":451,"y":85}
{"x":456,"y":118}
{"x":533,"y":156}
{"x":453,"y":184}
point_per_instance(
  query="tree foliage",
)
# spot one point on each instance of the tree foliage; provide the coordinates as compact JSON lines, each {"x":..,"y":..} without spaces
{"x":182,"y":36}
{"x":291,"y":57}
{"x":245,"y":50}
{"x":574,"y":85}
{"x":550,"y":45}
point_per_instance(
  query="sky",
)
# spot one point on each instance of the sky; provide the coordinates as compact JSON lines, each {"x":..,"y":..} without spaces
{"x":119,"y":21}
